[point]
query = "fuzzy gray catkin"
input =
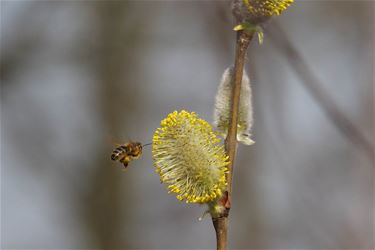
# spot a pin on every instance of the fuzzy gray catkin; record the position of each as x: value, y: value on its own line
x: 222, y: 107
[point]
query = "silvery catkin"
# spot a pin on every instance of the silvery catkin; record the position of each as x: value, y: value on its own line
x: 222, y: 107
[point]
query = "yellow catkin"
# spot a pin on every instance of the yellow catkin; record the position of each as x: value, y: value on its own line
x: 189, y: 158
x: 267, y: 8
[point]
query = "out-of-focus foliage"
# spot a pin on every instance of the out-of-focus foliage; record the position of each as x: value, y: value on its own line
x: 79, y: 76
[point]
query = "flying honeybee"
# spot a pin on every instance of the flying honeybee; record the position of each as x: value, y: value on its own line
x: 127, y: 152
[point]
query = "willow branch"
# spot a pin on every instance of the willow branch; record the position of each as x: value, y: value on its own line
x: 243, y: 41
x: 221, y: 223
x: 221, y: 229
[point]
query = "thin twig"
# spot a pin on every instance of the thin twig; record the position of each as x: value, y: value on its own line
x: 243, y: 40
x: 315, y: 88
x: 221, y: 223
x: 221, y: 229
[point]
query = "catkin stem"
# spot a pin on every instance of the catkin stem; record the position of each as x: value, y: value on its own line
x: 221, y: 223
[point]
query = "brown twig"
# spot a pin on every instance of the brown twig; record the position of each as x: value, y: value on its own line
x: 243, y: 40
x: 221, y: 229
x: 221, y: 222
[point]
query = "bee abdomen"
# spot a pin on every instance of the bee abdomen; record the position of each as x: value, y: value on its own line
x: 116, y: 154
x: 114, y: 157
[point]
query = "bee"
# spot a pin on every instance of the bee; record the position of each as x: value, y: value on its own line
x: 127, y: 152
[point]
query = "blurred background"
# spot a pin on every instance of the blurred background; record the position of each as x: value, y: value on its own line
x: 79, y: 76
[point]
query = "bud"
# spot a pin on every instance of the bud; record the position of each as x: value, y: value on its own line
x: 189, y: 158
x: 222, y: 107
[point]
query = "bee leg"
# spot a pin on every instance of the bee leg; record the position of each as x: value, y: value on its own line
x: 125, y: 161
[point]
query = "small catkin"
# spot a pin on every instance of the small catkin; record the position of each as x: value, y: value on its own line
x: 222, y: 107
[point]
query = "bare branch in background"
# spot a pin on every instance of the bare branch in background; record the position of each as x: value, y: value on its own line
x: 316, y: 89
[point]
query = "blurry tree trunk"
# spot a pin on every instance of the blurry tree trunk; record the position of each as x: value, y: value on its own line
x: 105, y: 208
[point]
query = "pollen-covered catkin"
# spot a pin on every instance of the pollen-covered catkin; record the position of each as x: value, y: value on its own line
x: 189, y: 158
x: 258, y: 11
x: 222, y: 107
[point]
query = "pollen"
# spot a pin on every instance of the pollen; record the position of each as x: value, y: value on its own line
x: 267, y: 8
x: 189, y: 158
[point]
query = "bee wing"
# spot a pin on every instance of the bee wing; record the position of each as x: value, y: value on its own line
x: 110, y: 139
